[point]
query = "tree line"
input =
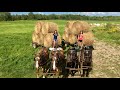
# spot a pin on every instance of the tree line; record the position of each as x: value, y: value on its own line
x: 6, y: 16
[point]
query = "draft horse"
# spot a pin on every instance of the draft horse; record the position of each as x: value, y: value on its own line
x: 40, y: 60
x: 57, y: 61
x: 87, y: 63
x: 72, y: 60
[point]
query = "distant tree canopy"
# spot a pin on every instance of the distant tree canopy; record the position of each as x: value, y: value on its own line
x: 6, y: 16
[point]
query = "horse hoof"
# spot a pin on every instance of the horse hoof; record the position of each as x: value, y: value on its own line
x: 43, y: 76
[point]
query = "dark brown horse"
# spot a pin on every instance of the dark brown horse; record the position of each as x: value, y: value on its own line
x: 87, y: 61
x: 72, y: 60
x: 41, y: 59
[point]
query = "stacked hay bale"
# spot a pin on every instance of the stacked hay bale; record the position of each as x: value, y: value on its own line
x: 48, y: 39
x: 43, y: 33
x: 88, y: 39
x: 37, y: 36
x: 73, y: 28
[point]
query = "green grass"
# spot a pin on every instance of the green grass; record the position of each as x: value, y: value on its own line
x: 111, y: 38
x: 16, y: 53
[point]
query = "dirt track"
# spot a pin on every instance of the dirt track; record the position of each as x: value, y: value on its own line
x: 106, y: 61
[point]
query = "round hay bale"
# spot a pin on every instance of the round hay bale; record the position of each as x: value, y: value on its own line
x: 48, y: 39
x: 36, y: 38
x: 66, y: 30
x: 72, y: 38
x: 38, y: 27
x: 52, y: 27
x: 80, y: 26
x: 65, y: 36
x: 88, y: 38
x: 45, y: 27
x: 85, y: 26
x: 59, y: 39
x: 74, y: 31
x: 41, y: 36
x: 77, y: 25
x: 69, y: 24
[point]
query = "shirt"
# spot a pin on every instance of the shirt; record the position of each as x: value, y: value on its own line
x: 55, y: 36
x: 80, y: 37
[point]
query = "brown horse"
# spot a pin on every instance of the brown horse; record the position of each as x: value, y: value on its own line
x: 41, y: 59
x: 58, y: 60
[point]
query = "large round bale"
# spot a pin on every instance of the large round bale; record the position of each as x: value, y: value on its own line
x: 88, y: 38
x: 52, y: 27
x: 41, y: 36
x: 65, y: 36
x: 45, y: 27
x: 80, y: 26
x: 85, y: 26
x: 66, y: 30
x: 38, y: 27
x: 48, y: 39
x: 72, y: 39
x: 59, y: 39
x: 69, y: 24
x: 36, y: 38
x: 74, y: 31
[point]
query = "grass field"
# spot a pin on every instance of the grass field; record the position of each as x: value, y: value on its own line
x: 16, y: 52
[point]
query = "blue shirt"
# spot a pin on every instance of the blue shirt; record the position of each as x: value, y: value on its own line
x: 55, y: 36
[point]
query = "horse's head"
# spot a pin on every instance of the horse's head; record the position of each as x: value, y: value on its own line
x: 37, y: 57
x: 73, y: 54
x: 87, y: 53
x: 54, y: 59
x: 45, y: 52
x: 41, y: 57
x: 63, y: 42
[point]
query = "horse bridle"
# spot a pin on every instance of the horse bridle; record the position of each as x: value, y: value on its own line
x: 72, y: 54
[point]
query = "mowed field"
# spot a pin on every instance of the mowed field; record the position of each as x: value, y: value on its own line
x: 16, y: 52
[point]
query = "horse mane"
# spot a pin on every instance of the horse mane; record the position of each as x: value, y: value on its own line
x: 61, y: 54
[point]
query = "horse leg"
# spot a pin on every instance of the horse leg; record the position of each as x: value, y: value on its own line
x: 87, y: 72
x: 83, y: 74
x: 43, y: 70
x: 37, y: 71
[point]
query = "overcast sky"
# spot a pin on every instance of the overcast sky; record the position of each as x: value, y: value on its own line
x: 78, y: 13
